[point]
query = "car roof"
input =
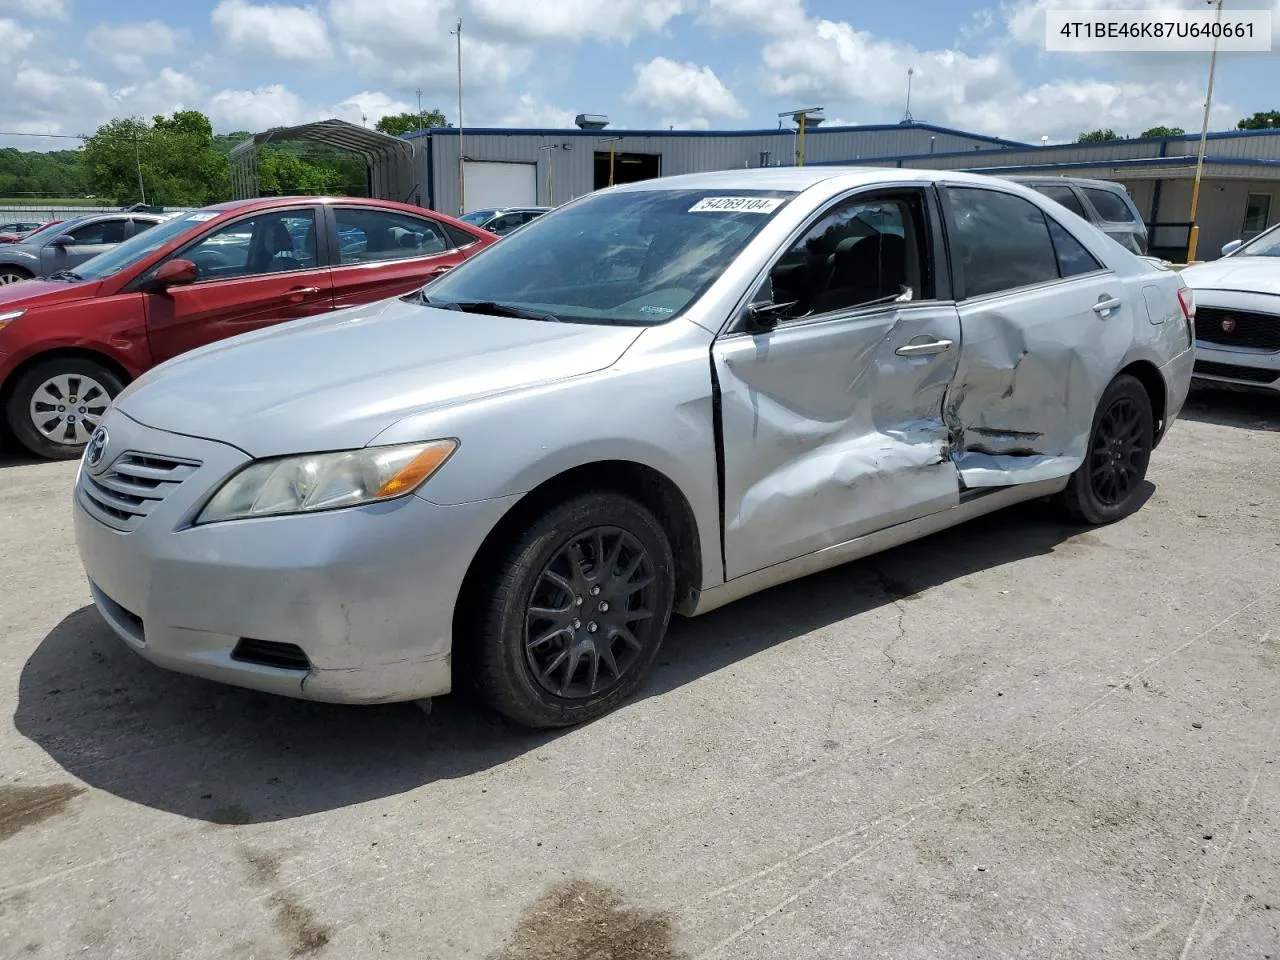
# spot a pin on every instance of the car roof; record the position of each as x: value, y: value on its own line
x: 1083, y: 181
x: 803, y: 178
x: 268, y: 203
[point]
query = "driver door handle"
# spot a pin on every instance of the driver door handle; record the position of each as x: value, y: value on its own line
x: 1107, y: 305
x: 925, y: 349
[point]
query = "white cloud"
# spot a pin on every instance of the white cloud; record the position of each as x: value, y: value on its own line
x: 14, y: 40
x: 256, y: 110
x: 168, y: 91
x: 686, y: 94
x: 370, y: 105
x: 531, y: 111
x: 127, y: 46
x: 530, y: 20
x: 406, y: 44
x: 752, y: 16
x: 290, y: 33
x: 49, y: 9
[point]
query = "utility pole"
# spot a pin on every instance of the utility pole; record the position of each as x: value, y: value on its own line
x: 462, y: 166
x: 137, y: 156
x: 421, y: 123
x: 1193, y: 241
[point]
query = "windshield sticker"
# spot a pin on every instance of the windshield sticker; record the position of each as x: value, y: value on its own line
x: 201, y: 217
x: 736, y: 205
x: 650, y: 308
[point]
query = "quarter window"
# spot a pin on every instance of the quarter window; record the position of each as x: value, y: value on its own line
x: 275, y: 242
x: 864, y: 251
x: 1073, y: 258
x: 1002, y: 241
x: 371, y: 236
x: 1109, y: 205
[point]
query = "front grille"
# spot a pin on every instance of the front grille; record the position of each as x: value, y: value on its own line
x: 268, y: 653
x: 1259, y: 331
x: 133, y: 486
x: 1253, y: 374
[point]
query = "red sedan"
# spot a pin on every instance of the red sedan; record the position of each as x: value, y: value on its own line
x: 70, y: 343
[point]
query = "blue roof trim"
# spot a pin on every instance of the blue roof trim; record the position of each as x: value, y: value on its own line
x: 769, y: 132
x: 1138, y: 162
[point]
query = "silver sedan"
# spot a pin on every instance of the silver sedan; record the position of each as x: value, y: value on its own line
x: 656, y: 399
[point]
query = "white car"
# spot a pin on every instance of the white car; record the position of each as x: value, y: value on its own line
x: 1238, y: 314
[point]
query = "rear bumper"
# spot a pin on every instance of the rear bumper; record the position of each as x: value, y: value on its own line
x: 365, y: 595
x: 1177, y: 384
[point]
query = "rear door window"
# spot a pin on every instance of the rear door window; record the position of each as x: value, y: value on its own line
x: 1002, y: 242
x: 1109, y: 206
x: 372, y: 236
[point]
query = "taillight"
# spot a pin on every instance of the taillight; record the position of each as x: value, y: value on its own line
x: 1187, y: 301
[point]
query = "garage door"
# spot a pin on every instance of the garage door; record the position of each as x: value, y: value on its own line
x: 490, y: 184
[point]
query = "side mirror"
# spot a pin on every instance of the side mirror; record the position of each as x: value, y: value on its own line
x: 1232, y: 247
x: 65, y: 240
x: 175, y: 273
x: 763, y: 316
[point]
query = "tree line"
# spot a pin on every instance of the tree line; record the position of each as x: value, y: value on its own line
x: 1262, y: 120
x: 179, y: 161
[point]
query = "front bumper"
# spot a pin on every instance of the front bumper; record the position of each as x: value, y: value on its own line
x: 366, y: 594
x: 1241, y: 368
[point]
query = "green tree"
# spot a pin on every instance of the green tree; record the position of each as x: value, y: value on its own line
x: 398, y: 124
x: 1262, y: 120
x: 1164, y: 132
x: 1098, y: 136
x: 284, y: 174
x: 175, y: 156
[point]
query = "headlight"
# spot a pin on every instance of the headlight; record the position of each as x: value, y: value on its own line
x: 326, y: 481
x: 8, y: 318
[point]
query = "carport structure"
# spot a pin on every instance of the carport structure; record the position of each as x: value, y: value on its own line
x: 389, y: 161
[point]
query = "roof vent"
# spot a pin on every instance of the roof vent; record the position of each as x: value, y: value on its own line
x: 591, y: 121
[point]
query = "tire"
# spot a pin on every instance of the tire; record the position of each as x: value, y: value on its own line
x: 57, y: 436
x: 531, y: 617
x: 1109, y: 480
x: 13, y: 275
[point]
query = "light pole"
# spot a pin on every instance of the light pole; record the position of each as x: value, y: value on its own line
x: 462, y: 166
x: 1193, y: 241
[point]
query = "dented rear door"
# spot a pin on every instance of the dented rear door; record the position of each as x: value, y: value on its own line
x: 1043, y: 325
x: 831, y: 432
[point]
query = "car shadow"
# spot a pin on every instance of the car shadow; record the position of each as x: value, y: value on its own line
x: 14, y: 456
x: 1233, y: 408
x: 225, y: 755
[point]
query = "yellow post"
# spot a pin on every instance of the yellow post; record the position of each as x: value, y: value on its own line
x: 1193, y: 240
x: 800, y: 145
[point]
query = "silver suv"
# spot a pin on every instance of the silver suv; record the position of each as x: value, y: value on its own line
x: 1105, y: 204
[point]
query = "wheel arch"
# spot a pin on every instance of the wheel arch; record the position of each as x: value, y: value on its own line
x: 656, y: 491
x: 55, y: 353
x: 1148, y: 374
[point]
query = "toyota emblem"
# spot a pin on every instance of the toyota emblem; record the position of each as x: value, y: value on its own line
x: 97, y: 448
x: 1228, y: 324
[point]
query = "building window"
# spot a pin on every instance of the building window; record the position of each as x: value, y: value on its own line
x: 1257, y: 211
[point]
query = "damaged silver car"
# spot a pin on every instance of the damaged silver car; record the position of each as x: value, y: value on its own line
x: 655, y: 399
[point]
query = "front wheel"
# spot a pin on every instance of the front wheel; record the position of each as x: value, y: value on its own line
x: 13, y: 275
x: 577, y: 612
x: 1107, y: 484
x: 56, y: 405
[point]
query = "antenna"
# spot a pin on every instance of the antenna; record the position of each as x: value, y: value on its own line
x: 906, y: 117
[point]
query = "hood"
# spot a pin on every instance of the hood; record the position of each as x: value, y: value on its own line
x: 20, y: 254
x: 1249, y: 274
x: 338, y: 380
x: 26, y: 294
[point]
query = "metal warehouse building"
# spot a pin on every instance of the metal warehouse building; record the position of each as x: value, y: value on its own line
x: 527, y: 167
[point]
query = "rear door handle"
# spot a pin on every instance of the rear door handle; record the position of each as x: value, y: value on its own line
x: 438, y: 271
x: 1105, y: 306
x: 298, y: 294
x: 925, y: 349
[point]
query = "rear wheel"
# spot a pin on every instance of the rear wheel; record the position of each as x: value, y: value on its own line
x: 13, y: 275
x: 577, y: 612
x: 1108, y: 483
x: 56, y: 405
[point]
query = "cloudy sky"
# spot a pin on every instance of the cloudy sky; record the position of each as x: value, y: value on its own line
x: 68, y: 65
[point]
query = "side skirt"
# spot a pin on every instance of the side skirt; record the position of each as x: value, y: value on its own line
x: 973, y: 504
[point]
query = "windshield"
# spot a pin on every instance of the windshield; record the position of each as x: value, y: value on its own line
x: 51, y: 230
x: 1263, y: 245
x: 140, y: 245
x: 631, y: 257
